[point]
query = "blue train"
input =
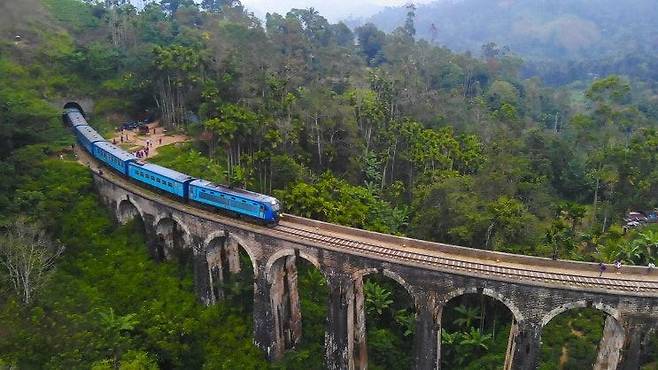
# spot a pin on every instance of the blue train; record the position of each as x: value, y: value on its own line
x: 263, y: 208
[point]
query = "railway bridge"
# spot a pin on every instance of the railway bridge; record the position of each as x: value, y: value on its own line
x: 534, y: 289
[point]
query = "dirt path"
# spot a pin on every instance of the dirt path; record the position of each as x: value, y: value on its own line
x: 133, y: 141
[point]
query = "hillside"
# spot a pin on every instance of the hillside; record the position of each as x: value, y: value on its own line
x: 389, y: 134
x: 599, y: 36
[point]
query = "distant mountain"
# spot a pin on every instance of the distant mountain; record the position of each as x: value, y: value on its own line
x: 536, y: 29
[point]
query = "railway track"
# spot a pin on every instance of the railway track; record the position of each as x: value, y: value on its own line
x: 473, y: 268
x: 610, y: 282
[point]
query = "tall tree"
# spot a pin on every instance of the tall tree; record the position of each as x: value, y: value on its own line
x: 28, y: 256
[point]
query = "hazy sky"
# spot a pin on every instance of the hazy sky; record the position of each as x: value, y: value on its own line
x: 331, y: 9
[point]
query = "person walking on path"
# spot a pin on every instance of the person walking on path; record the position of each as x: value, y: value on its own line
x: 601, y: 269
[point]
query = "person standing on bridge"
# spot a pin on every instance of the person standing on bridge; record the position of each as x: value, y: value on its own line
x: 601, y: 269
x: 618, y: 266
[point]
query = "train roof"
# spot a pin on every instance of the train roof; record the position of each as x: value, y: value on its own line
x: 163, y: 171
x: 74, y: 105
x: 76, y: 118
x: 115, y: 151
x: 233, y: 191
x: 89, y: 133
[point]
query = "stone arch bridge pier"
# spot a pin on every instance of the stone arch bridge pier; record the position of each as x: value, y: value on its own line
x: 534, y: 289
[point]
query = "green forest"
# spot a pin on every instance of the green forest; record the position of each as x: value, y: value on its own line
x: 380, y: 131
x: 562, y: 41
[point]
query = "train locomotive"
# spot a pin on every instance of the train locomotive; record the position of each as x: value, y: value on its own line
x: 258, y: 207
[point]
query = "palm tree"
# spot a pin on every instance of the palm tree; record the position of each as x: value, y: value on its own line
x: 476, y: 340
x: 377, y: 298
x: 629, y: 252
x: 114, y: 327
x: 406, y: 320
x: 467, y: 316
x: 649, y: 239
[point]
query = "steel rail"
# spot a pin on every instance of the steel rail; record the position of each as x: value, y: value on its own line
x: 527, y: 276
x: 629, y: 285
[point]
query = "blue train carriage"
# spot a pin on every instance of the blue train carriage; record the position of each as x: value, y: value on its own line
x: 113, y: 156
x: 73, y: 118
x: 87, y: 136
x: 74, y: 115
x: 170, y: 181
x: 259, y: 206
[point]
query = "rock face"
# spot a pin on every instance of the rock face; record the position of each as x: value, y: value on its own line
x: 213, y: 243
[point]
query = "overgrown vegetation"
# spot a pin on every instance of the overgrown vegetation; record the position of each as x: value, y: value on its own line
x: 390, y: 134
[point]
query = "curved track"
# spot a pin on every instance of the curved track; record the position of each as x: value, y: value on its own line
x: 475, y: 268
x: 496, y: 266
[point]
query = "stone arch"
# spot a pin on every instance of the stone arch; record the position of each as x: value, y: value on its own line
x: 277, y: 256
x: 75, y: 105
x: 516, y: 313
x: 127, y: 210
x: 391, y: 275
x: 609, y: 310
x: 613, y: 333
x: 359, y: 338
x: 246, y: 247
x: 187, y: 236
x: 221, y: 260
x: 281, y: 274
x: 166, y: 237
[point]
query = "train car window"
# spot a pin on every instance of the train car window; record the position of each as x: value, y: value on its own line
x: 158, y: 180
x: 170, y: 185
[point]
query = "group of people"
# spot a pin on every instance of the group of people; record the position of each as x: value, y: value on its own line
x: 617, y: 264
x: 142, y: 153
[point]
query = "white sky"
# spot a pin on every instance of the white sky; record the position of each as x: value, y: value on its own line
x: 333, y: 10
